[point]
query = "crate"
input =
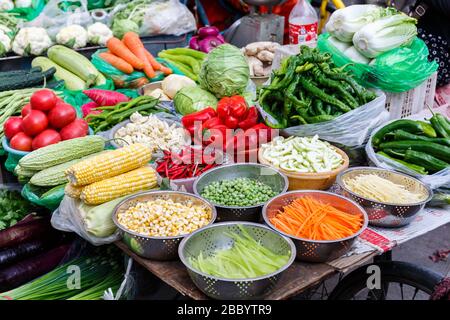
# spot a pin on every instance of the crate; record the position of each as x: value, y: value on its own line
x: 153, y: 44
x: 405, y: 104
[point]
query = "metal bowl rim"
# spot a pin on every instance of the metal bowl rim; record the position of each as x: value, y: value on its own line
x: 161, y: 192
x: 340, y: 182
x: 355, y: 235
x: 283, y: 176
x: 258, y: 225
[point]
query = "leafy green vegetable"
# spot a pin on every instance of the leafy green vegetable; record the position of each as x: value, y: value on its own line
x: 225, y: 71
x: 192, y: 99
x: 122, y: 26
x: 12, y: 208
x: 246, y: 259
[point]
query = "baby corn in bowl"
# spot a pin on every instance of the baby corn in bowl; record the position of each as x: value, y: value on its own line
x: 153, y: 223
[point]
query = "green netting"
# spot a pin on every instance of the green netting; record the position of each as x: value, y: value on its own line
x: 122, y: 80
x: 48, y: 198
x: 397, y: 70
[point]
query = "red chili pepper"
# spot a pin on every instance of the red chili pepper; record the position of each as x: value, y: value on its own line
x: 231, y: 122
x: 202, y: 116
x: 251, y: 119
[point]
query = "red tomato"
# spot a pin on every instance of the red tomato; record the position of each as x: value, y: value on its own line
x: 76, y: 129
x: 45, y: 138
x: 26, y: 110
x: 12, y: 126
x: 34, y: 123
x: 43, y: 100
x: 61, y: 115
x: 21, y: 142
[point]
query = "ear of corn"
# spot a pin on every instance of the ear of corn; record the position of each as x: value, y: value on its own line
x: 71, y: 191
x: 109, y: 164
x: 106, y: 190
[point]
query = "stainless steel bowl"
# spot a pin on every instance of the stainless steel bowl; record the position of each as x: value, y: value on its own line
x: 209, y: 239
x: 317, y: 250
x: 386, y: 214
x: 156, y: 248
x: 266, y: 174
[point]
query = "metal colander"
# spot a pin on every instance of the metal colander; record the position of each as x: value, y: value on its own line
x: 156, y: 248
x: 316, y: 250
x: 211, y: 238
x: 387, y: 214
x: 263, y: 173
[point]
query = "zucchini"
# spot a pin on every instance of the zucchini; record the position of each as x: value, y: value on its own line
x: 101, y: 80
x: 14, y: 73
x: 28, y: 80
x: 71, y: 81
x: 74, y: 62
x: 61, y: 152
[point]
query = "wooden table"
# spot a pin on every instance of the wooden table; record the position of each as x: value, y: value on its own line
x: 296, y: 279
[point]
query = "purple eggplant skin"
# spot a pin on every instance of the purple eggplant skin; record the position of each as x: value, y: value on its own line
x: 29, y: 269
x: 24, y: 232
x: 22, y: 251
x: 193, y: 43
x: 208, y: 31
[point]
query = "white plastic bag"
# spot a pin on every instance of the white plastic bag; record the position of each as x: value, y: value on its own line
x: 167, y: 17
x: 350, y: 129
x: 69, y: 217
x: 434, y: 181
x: 53, y: 18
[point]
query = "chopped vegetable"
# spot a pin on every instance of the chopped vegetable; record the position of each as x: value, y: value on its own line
x: 165, y: 218
x: 302, y: 154
x: 247, y: 258
x: 312, y: 219
x: 240, y: 192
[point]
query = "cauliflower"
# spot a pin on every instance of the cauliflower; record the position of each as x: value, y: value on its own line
x: 99, y: 33
x: 5, y: 43
x: 73, y: 36
x: 31, y: 40
x: 6, y: 5
x: 23, y: 3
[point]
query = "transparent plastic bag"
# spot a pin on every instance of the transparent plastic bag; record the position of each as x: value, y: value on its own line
x: 350, y: 129
x: 69, y: 217
x: 60, y: 13
x: 397, y: 70
x: 439, y: 179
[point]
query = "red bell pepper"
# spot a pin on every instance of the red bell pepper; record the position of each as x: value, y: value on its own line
x: 231, y: 122
x: 238, y: 107
x: 201, y: 116
x: 216, y: 136
x: 210, y: 123
x: 251, y: 119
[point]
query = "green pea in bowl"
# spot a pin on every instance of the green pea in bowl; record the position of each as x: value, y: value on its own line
x: 250, y: 206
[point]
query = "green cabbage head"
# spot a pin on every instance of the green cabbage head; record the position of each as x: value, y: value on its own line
x: 192, y: 99
x: 225, y: 71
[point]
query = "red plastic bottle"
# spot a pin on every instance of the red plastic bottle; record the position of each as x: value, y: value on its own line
x: 303, y: 23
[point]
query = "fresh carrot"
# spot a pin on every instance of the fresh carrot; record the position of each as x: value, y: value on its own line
x: 119, y: 49
x: 117, y: 62
x: 134, y: 43
x: 156, y: 65
x: 312, y: 219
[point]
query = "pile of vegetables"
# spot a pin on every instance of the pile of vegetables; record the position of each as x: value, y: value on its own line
x: 423, y: 147
x: 207, y: 39
x: 312, y: 219
x: 28, y: 250
x: 239, y: 192
x: 301, y: 154
x: 153, y: 132
x: 188, y: 163
x: 187, y: 60
x: 13, y: 208
x: 75, y: 69
x: 112, y: 115
x: 247, y: 258
x: 129, y: 54
x: 260, y: 56
x: 45, y: 120
x: 363, y: 32
x: 308, y: 88
x: 100, y: 270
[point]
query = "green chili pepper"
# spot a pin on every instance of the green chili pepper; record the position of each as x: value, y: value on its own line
x: 416, y: 168
x: 439, y: 123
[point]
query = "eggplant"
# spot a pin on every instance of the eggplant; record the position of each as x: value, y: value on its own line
x: 25, y: 231
x: 31, y: 268
x: 22, y: 251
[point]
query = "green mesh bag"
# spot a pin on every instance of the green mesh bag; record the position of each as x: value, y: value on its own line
x: 397, y: 70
